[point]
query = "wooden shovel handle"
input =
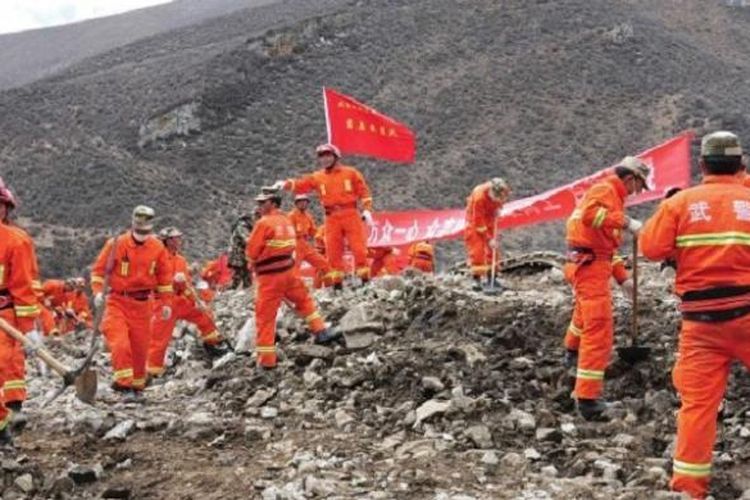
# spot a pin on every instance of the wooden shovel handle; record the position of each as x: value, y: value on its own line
x: 634, y: 319
x: 40, y: 351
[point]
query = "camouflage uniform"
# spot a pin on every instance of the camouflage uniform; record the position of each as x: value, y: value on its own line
x: 237, y: 260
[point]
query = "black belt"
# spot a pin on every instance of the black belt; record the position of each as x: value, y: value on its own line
x: 716, y: 316
x: 139, y: 295
x: 287, y: 262
x: 723, y: 292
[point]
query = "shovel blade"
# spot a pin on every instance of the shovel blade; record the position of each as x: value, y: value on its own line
x: 86, y: 384
x: 634, y: 354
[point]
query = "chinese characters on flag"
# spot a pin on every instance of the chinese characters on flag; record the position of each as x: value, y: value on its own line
x: 358, y: 129
x: 670, y: 167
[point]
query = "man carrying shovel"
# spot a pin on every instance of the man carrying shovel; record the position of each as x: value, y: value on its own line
x: 706, y: 230
x: 18, y: 302
x: 594, y: 232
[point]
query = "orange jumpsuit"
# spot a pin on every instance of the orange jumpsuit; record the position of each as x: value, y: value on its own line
x: 422, y: 256
x: 18, y: 306
x: 185, y: 307
x: 481, y: 216
x: 575, y: 329
x: 304, y: 226
x: 383, y: 261
x: 320, y: 247
x: 706, y: 229
x: 339, y: 189
x: 138, y: 269
x: 59, y: 300
x: 594, y: 231
x: 270, y: 250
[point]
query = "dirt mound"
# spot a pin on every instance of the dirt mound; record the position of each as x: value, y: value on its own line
x: 441, y: 392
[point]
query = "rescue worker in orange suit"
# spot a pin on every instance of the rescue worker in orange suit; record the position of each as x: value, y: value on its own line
x: 575, y: 328
x: 340, y: 188
x: 270, y: 252
x: 482, y: 209
x: 383, y: 261
x: 136, y: 265
x: 706, y: 229
x: 422, y: 256
x: 305, y: 228
x: 185, y: 306
x: 594, y: 232
x: 68, y: 302
x: 18, y: 302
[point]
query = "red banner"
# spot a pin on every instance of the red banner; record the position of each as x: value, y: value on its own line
x: 670, y: 167
x: 358, y: 129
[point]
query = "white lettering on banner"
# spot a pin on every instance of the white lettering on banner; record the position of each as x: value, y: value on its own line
x: 386, y: 234
x: 699, y: 211
x: 742, y: 210
x: 413, y: 232
x: 432, y: 229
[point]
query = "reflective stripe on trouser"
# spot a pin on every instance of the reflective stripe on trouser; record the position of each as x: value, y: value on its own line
x: 479, y: 253
x: 700, y: 376
x: 344, y: 227
x: 271, y: 290
x: 593, y: 294
x: 183, y: 308
x: 575, y: 328
x: 7, y: 348
x: 14, y: 388
x: 127, y: 327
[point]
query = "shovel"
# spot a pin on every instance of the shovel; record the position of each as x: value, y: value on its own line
x: 83, y: 379
x: 634, y: 353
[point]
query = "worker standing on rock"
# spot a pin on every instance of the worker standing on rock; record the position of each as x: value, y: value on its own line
x: 482, y: 209
x: 135, y: 264
x: 422, y: 256
x: 18, y: 302
x: 270, y: 251
x: 185, y: 305
x: 594, y: 232
x: 305, y: 228
x: 340, y: 188
x: 706, y: 229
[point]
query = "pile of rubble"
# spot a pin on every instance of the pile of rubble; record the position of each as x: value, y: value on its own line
x: 440, y: 392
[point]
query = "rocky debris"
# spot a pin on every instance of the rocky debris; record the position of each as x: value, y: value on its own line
x: 475, y: 405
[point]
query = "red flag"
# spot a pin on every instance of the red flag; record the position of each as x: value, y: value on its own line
x: 670, y: 167
x: 360, y: 130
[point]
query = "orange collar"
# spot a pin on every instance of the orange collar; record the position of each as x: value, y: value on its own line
x: 619, y: 186
x: 722, y: 179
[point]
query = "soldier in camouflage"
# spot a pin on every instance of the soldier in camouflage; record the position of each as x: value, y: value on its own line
x: 237, y: 261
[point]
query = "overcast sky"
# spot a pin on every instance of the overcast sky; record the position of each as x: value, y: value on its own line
x: 20, y: 15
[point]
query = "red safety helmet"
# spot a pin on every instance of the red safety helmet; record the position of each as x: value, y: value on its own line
x: 6, y: 196
x: 328, y: 148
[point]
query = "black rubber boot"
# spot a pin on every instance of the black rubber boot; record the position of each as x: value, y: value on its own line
x: 593, y: 409
x: 217, y: 350
x: 327, y: 336
x: 6, y: 438
x: 19, y: 420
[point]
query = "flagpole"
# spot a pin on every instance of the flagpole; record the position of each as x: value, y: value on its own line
x: 328, y: 121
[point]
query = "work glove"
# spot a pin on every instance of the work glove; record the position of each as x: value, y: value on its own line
x: 367, y: 216
x: 70, y: 313
x: 166, y: 313
x: 278, y: 185
x: 627, y: 288
x: 37, y: 340
x: 180, y: 278
x: 98, y: 300
x: 492, y: 243
x: 633, y: 225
